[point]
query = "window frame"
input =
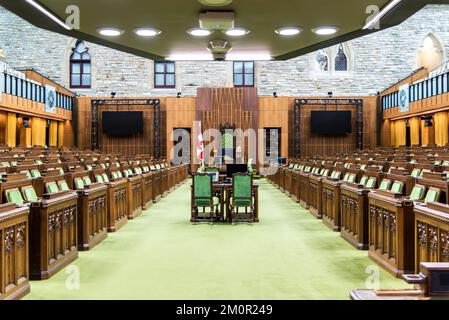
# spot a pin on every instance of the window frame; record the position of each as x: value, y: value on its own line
x: 82, y: 62
x: 165, y: 73
x: 244, y: 74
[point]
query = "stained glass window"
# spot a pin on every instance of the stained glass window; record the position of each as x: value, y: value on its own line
x: 322, y: 60
x: 341, y: 60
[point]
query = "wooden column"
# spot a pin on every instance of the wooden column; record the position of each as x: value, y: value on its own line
x: 60, y: 134
x: 415, y: 131
x: 401, y: 129
x: 441, y: 129
x: 53, y: 132
x: 11, y: 129
x: 38, y: 127
x: 428, y: 135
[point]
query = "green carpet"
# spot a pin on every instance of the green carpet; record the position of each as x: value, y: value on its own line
x: 160, y: 255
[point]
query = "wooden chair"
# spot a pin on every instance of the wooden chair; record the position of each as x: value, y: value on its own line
x: 203, y: 198
x: 330, y: 198
x: 134, y: 191
x: 242, y: 198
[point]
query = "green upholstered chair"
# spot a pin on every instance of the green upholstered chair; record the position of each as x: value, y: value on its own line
x: 325, y: 173
x: 87, y: 181
x: 203, y: 198
x: 437, y: 162
x: 417, y: 193
x: 63, y: 186
x: 397, y: 187
x: 29, y: 194
x: 385, y: 185
x: 363, y: 180
x: 79, y: 184
x: 35, y: 173
x: 14, y: 196
x: 291, y: 165
x: 445, y: 163
x: 363, y: 167
x: 433, y: 195
x: 242, y: 197
x: 371, y: 183
x: 352, y: 178
x: 211, y: 169
x: 346, y: 177
x: 89, y: 167
x: 99, y: 178
x: 416, y: 173
x: 105, y: 177
x: 52, y: 187
x: 114, y: 175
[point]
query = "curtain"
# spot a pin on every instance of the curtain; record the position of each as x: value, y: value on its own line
x: 415, y: 131
x: 441, y: 129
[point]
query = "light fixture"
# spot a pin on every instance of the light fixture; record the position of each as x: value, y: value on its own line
x: 253, y: 56
x: 200, y: 56
x: 288, y: 31
x: 237, y: 32
x: 325, y: 30
x: 178, y: 95
x: 374, y: 20
x: 215, y: 3
x: 110, y: 32
x: 198, y: 32
x: 49, y: 14
x: 427, y: 120
x: 113, y: 94
x: 275, y: 94
x: 147, y: 32
x: 330, y: 94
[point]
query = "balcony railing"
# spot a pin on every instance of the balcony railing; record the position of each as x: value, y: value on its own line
x: 29, y: 90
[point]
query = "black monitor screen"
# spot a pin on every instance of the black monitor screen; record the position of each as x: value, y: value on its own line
x: 331, y: 122
x: 122, y: 123
x: 236, y: 168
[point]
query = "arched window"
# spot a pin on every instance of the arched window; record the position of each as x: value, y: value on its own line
x: 431, y: 53
x: 80, y: 67
x: 322, y: 60
x: 341, y: 60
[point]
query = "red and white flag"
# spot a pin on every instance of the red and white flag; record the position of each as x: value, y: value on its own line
x: 200, y: 145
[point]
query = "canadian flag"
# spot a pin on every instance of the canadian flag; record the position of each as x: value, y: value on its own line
x: 200, y: 145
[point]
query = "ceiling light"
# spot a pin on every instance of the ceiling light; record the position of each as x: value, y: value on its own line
x: 110, y: 32
x: 250, y: 56
x: 198, y: 32
x: 215, y: 3
x: 288, y: 31
x: 49, y: 14
x: 190, y: 57
x: 374, y: 20
x: 237, y: 32
x: 147, y: 32
x: 325, y: 31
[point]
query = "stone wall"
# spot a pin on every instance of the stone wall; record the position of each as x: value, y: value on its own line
x: 377, y: 60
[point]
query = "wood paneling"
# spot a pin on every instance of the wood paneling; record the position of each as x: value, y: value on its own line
x: 275, y: 113
x: 137, y: 144
x: 3, y: 116
x: 11, y: 129
x: 31, y: 108
x: 181, y: 113
x: 38, y: 131
x: 312, y: 144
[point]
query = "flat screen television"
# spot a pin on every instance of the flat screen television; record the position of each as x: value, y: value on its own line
x: 122, y: 123
x: 231, y: 169
x: 331, y: 122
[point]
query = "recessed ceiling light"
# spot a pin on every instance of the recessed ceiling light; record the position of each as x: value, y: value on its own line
x: 237, y: 32
x: 288, y: 31
x: 198, y: 32
x: 325, y: 31
x: 110, y: 32
x: 147, y: 32
x: 215, y: 3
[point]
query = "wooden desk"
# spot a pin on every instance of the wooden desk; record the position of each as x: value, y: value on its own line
x: 224, y: 193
